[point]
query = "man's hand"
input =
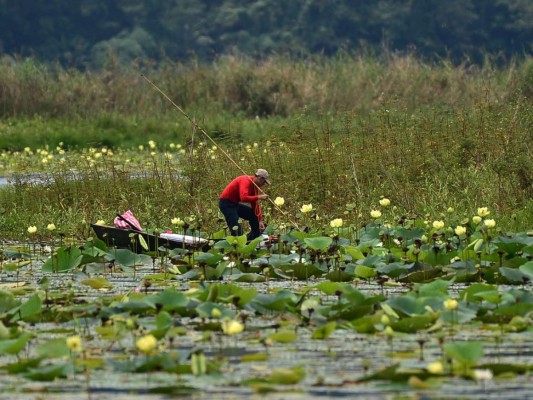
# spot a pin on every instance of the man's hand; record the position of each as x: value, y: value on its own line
x: 263, y: 196
x: 261, y: 225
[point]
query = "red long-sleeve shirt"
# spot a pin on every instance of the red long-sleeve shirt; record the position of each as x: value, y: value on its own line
x: 242, y: 189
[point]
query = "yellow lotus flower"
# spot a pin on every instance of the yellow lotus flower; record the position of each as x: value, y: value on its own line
x: 384, y: 202
x: 476, y: 219
x: 100, y: 222
x: 435, y: 367
x: 375, y: 213
x: 74, y: 343
x: 177, y: 221
x: 146, y: 344
x: 385, y: 320
x: 438, y: 224
x: 51, y: 227
x: 32, y: 229
x: 306, y: 208
x: 490, y: 223
x: 279, y: 201
x: 232, y: 327
x: 450, y: 304
x: 460, y: 230
x: 336, y: 223
x: 216, y: 313
x: 483, y: 211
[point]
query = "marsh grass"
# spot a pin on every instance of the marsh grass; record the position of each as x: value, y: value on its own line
x: 116, y: 107
x: 422, y: 163
x: 332, y: 132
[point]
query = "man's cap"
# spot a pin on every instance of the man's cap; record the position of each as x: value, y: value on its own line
x: 263, y: 173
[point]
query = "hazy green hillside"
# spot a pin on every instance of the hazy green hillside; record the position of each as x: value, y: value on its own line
x: 85, y: 33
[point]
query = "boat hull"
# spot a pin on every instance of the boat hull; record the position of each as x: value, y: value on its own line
x: 129, y: 239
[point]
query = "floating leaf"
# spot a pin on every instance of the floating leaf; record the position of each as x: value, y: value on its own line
x: 28, y: 309
x: 169, y: 300
x: 354, y: 252
x: 283, y: 336
x: 14, y: 346
x: 287, y: 376
x: 407, y: 305
x: 434, y: 288
x: 527, y: 269
x: 324, y: 331
x: 469, y: 294
x: 412, y: 324
x: 7, y: 301
x: 255, y: 357
x: 49, y: 372
x: 125, y: 258
x: 319, y: 243
x: 466, y: 353
x: 514, y: 275
x: 97, y: 282
x: 248, y: 278
x: 65, y: 259
x: 237, y: 241
x: 386, y: 373
x: 15, y: 266
x: 53, y: 348
x: 365, y: 272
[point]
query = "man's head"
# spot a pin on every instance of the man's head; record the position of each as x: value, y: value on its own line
x: 261, y: 177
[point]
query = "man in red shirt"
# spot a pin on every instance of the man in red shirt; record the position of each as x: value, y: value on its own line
x: 244, y: 189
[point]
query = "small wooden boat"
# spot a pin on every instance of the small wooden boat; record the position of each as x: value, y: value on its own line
x: 129, y: 239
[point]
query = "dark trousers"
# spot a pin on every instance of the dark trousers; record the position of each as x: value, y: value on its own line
x: 232, y: 212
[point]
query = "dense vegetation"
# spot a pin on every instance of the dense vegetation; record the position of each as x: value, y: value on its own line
x: 332, y: 132
x: 84, y: 33
x: 401, y: 200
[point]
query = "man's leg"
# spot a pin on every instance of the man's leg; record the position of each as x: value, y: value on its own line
x: 230, y: 211
x: 246, y: 212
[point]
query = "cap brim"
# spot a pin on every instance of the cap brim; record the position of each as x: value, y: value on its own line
x: 267, y: 181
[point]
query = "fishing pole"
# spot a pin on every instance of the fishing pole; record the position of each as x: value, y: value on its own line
x: 193, y: 122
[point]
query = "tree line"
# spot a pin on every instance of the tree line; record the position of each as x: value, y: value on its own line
x: 93, y: 33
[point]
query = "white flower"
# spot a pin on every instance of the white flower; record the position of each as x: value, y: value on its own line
x: 483, y: 374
